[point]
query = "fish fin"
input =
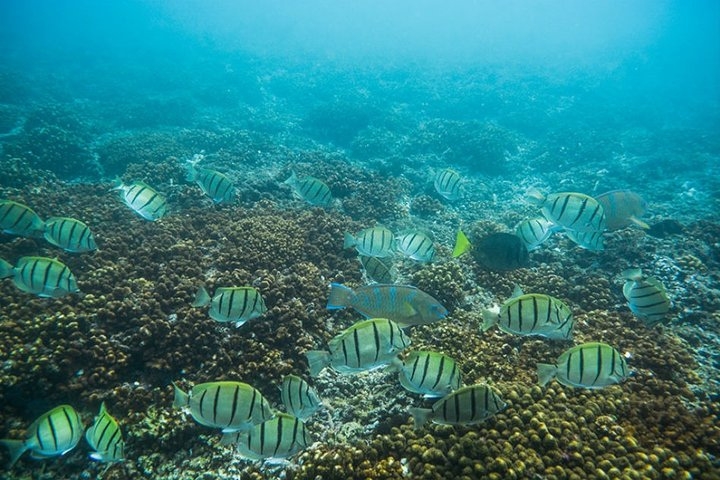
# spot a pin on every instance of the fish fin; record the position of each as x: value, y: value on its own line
x: 462, y: 244
x: 317, y: 360
x: 348, y: 241
x: 634, y: 274
x: 639, y: 222
x: 231, y: 438
x: 339, y: 296
x: 490, y: 318
x: 292, y: 180
x: 192, y: 173
x: 535, y: 196
x: 202, y: 298
x: 181, y: 399
x: 420, y: 416
x: 517, y: 291
x: 545, y: 373
x: 16, y: 448
x: 6, y: 269
x: 395, y: 364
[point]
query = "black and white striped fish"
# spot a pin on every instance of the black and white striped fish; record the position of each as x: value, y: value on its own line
x: 646, y: 296
x: 373, y: 242
x: 571, y: 210
x: 230, y: 406
x: 465, y: 406
x: 447, y: 184
x: 214, y: 184
x: 416, y: 245
x: 378, y: 270
x: 105, y: 438
x: 310, y: 189
x: 70, y: 234
x: 593, y: 241
x: 44, y: 277
x: 143, y: 200
x: 53, y: 434
x: 232, y: 304
x: 280, y: 437
x: 590, y: 365
x: 534, y: 232
x: 366, y: 345
x: 428, y: 373
x: 19, y: 219
x: 299, y: 397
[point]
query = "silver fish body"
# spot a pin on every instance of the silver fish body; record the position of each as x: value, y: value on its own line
x: 143, y: 200
x: 105, y: 438
x: 364, y: 346
x: 428, y: 373
x: 403, y: 304
x: 593, y: 240
x: 646, y: 297
x: 19, y: 219
x: 572, y: 210
x: 378, y: 270
x: 70, y: 234
x: 214, y: 184
x: 532, y: 314
x: 417, y: 246
x: 310, y: 189
x: 53, y: 434
x: 534, y: 232
x: 465, y: 406
x: 232, y: 304
x: 447, y: 184
x: 373, y: 242
x: 280, y: 437
x: 590, y: 365
x: 44, y: 277
x: 299, y: 397
x: 230, y: 406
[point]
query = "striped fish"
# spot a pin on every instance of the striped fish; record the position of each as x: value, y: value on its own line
x: 19, y: 219
x: 377, y: 269
x: 532, y: 314
x: 571, y: 210
x: 431, y: 374
x: 373, y: 242
x: 590, y: 365
x: 622, y: 208
x: 447, y: 184
x: 593, y: 241
x: 69, y: 234
x: 310, y: 189
x: 230, y: 406
x: 298, y: 397
x: 465, y: 406
x: 143, y: 200
x: 53, y: 434
x: 44, y: 277
x: 104, y: 436
x: 403, y: 304
x: 366, y: 345
x: 232, y: 304
x: 646, y: 297
x: 279, y: 437
x: 214, y: 184
x: 417, y: 246
x: 533, y: 232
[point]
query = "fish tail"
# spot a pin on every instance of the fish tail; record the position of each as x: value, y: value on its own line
x: 292, y: 180
x: 545, y: 373
x: 462, y: 244
x: 535, y: 196
x: 420, y: 416
x: 490, y: 318
x: 339, y: 296
x: 6, y: 270
x: 181, y: 399
x: 348, y: 240
x: 317, y: 360
x: 116, y: 184
x: 202, y: 298
x: 16, y: 448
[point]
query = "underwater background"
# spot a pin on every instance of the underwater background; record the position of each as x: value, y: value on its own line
x: 375, y: 100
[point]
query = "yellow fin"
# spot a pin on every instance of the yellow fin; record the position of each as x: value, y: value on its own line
x: 462, y: 244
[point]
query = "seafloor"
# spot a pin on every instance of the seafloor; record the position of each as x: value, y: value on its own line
x: 132, y: 331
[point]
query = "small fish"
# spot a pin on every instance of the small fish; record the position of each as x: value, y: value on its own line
x: 366, y: 345
x: 19, y: 219
x: 447, y: 184
x: 646, y: 297
x: 622, y: 208
x: 143, y: 200
x: 378, y: 270
x: 214, y: 184
x: 299, y: 397
x: 53, y: 434
x: 44, y: 277
x: 417, y: 246
x: 593, y: 241
x: 532, y: 314
x: 310, y: 189
x: 280, y: 437
x: 105, y: 437
x: 431, y: 374
x: 403, y: 304
x: 465, y: 406
x: 230, y: 406
x: 373, y: 242
x: 590, y: 365
x: 534, y: 232
x: 497, y: 251
x: 232, y: 304
x: 571, y: 210
x: 69, y: 234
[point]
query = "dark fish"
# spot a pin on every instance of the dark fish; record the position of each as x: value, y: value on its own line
x: 497, y: 251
